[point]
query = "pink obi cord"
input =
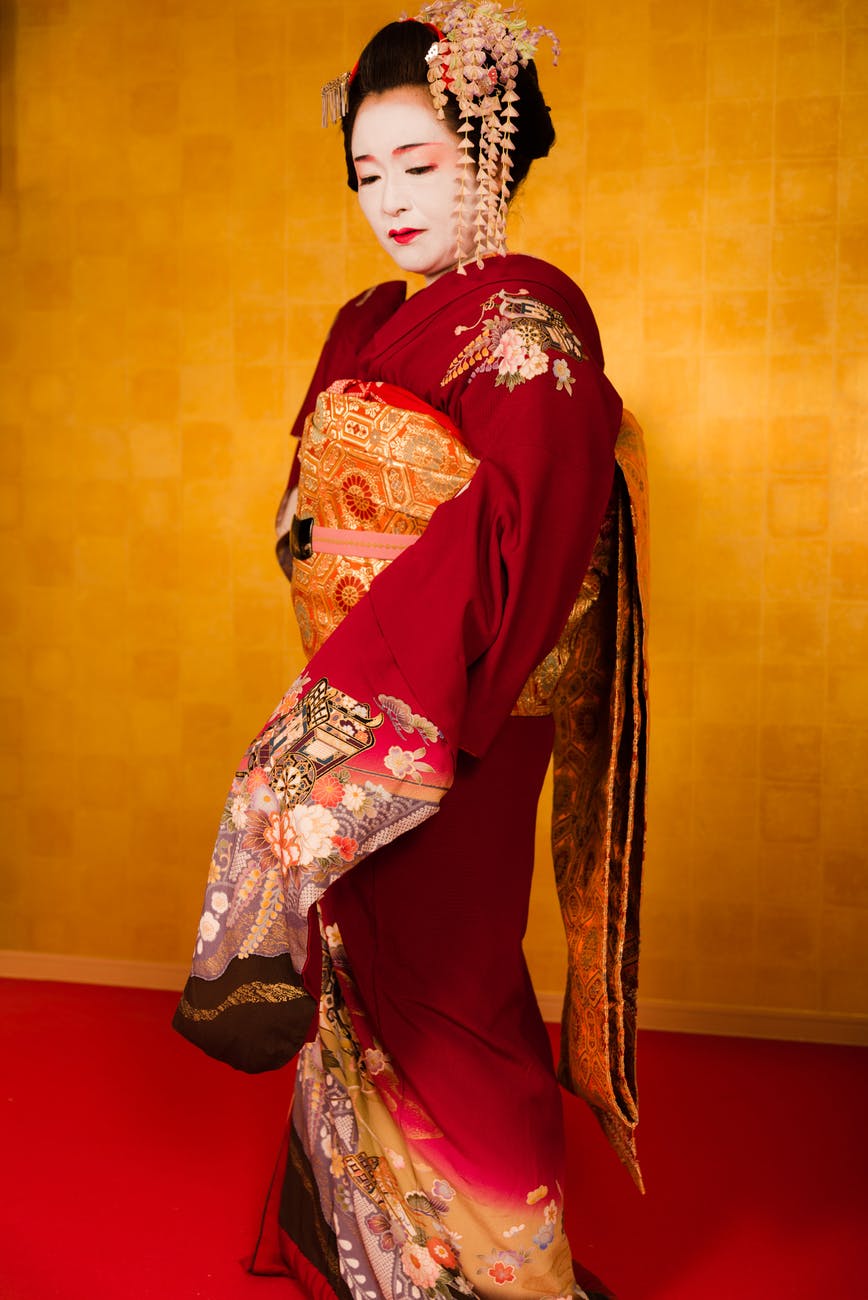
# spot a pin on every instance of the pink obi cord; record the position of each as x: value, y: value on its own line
x: 359, y: 543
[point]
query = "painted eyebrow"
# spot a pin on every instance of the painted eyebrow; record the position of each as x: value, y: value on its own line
x: 402, y: 148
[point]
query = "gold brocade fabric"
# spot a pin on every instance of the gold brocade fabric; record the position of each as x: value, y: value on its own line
x: 372, y: 466
x: 598, y: 816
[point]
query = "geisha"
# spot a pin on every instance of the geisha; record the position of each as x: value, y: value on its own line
x: 464, y: 530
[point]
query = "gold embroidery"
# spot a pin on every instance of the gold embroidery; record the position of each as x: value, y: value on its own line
x: 514, y: 341
x: 255, y: 991
x: 326, y: 729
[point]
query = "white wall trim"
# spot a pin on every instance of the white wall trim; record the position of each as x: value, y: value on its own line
x: 70, y: 969
x: 654, y: 1013
x: 736, y: 1021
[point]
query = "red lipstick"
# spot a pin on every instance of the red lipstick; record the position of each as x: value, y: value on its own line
x: 405, y: 235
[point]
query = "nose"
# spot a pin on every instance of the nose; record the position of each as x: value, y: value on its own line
x: 395, y: 198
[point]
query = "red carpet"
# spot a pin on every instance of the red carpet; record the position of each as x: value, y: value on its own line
x: 134, y: 1167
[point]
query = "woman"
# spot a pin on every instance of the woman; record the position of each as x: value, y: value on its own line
x: 425, y: 1151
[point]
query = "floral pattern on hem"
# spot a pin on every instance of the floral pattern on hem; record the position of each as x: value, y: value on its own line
x: 404, y: 1230
x: 514, y: 341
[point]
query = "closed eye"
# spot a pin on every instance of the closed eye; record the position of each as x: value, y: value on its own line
x: 368, y: 180
x: 420, y: 171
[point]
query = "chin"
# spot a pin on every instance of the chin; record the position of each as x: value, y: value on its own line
x: 408, y: 257
x: 417, y: 264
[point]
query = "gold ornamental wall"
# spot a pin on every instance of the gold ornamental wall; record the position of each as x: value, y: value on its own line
x: 175, y: 236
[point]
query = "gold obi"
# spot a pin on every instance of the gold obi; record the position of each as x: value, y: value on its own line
x: 369, y: 467
x: 375, y: 468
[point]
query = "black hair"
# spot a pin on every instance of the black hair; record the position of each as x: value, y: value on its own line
x: 395, y: 57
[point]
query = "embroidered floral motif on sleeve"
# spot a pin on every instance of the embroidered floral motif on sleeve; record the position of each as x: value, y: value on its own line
x: 405, y: 764
x: 515, y: 335
x: 405, y: 720
x: 563, y: 374
x: 301, y: 810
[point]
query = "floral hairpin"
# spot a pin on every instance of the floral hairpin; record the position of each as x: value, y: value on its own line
x: 480, y: 53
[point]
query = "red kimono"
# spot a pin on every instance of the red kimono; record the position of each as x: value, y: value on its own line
x: 425, y: 1149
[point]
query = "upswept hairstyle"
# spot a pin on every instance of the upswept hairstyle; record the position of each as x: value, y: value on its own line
x: 395, y: 57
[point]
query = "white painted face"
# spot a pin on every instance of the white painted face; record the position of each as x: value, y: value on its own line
x: 409, y: 171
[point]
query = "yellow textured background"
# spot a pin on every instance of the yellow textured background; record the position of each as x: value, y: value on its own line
x: 175, y: 236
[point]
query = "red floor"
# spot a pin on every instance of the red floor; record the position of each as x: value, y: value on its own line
x: 134, y: 1167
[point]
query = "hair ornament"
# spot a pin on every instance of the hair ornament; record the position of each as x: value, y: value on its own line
x: 334, y: 98
x: 476, y: 61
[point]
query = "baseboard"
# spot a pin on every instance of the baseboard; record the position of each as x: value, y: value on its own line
x: 738, y: 1022
x: 69, y: 969
x: 654, y: 1013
